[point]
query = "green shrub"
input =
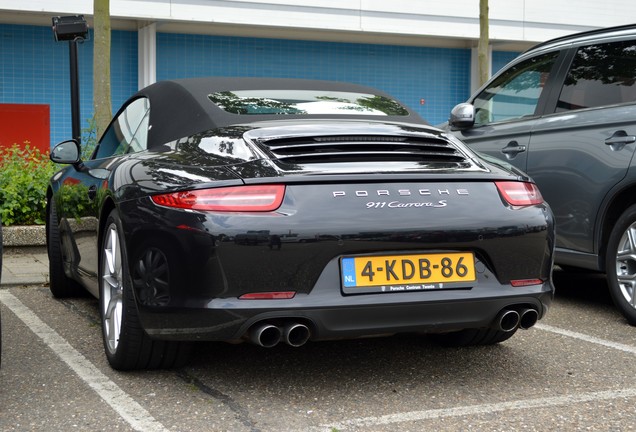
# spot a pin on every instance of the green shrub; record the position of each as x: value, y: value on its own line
x: 24, y: 175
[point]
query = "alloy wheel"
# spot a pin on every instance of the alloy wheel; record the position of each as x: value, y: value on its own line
x: 626, y: 265
x: 112, y: 288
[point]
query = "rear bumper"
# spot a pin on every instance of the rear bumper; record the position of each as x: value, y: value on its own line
x: 211, y: 267
x: 330, y: 315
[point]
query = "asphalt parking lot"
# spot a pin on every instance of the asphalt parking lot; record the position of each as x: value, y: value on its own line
x: 576, y: 370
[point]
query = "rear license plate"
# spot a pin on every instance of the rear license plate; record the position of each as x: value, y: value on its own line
x: 391, y: 273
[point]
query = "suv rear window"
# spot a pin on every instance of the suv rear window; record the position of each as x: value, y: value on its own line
x: 602, y: 74
x: 302, y: 102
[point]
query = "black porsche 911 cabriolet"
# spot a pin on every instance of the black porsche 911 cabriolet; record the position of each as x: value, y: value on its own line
x: 276, y: 210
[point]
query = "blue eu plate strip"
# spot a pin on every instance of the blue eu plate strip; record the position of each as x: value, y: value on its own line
x: 348, y: 272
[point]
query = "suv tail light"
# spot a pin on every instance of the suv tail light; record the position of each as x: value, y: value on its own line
x: 519, y: 194
x: 252, y: 198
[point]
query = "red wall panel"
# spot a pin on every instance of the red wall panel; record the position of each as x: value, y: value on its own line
x: 25, y: 122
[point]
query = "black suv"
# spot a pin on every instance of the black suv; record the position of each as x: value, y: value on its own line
x: 565, y: 112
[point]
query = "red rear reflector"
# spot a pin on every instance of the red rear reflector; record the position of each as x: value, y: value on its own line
x: 252, y: 198
x: 275, y: 295
x: 519, y: 193
x: 525, y: 282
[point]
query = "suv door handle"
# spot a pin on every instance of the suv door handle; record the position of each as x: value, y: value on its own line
x: 620, y: 137
x: 619, y: 140
x: 513, y: 149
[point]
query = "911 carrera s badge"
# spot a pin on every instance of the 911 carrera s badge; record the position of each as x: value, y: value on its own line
x: 399, y: 204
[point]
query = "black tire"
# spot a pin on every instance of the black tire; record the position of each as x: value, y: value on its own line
x: 60, y: 284
x: 471, y: 337
x: 620, y: 264
x: 127, y: 345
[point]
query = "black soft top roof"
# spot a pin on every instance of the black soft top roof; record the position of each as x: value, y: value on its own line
x: 180, y: 108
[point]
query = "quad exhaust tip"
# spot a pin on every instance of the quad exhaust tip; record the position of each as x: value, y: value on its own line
x: 528, y: 318
x: 510, y: 319
x: 296, y: 334
x: 268, y: 335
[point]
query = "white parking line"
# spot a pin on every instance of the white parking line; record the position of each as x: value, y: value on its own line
x: 503, y: 406
x: 133, y: 413
x: 614, y: 345
x: 479, y: 409
x: 141, y: 420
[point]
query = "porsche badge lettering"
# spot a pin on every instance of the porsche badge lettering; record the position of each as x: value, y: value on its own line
x: 401, y: 192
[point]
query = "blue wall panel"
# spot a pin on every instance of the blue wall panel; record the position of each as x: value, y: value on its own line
x: 429, y: 80
x: 502, y: 58
x: 34, y: 69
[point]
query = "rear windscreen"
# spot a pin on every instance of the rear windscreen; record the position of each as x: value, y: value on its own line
x: 305, y: 102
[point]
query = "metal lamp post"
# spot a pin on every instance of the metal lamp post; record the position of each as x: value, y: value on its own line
x: 72, y: 29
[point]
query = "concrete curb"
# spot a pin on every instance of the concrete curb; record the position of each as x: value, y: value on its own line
x: 27, y: 235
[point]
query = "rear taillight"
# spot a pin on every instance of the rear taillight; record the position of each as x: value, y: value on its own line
x: 252, y: 198
x: 519, y: 194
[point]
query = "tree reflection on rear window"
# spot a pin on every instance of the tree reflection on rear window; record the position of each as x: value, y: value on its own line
x: 305, y: 102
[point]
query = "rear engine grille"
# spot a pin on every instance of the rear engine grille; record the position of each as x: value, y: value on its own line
x: 365, y: 148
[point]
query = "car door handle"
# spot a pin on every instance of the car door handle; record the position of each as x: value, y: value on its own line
x: 92, y: 192
x: 512, y: 149
x: 620, y: 137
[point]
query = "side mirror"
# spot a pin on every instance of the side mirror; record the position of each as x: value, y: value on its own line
x: 66, y: 152
x: 462, y: 116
